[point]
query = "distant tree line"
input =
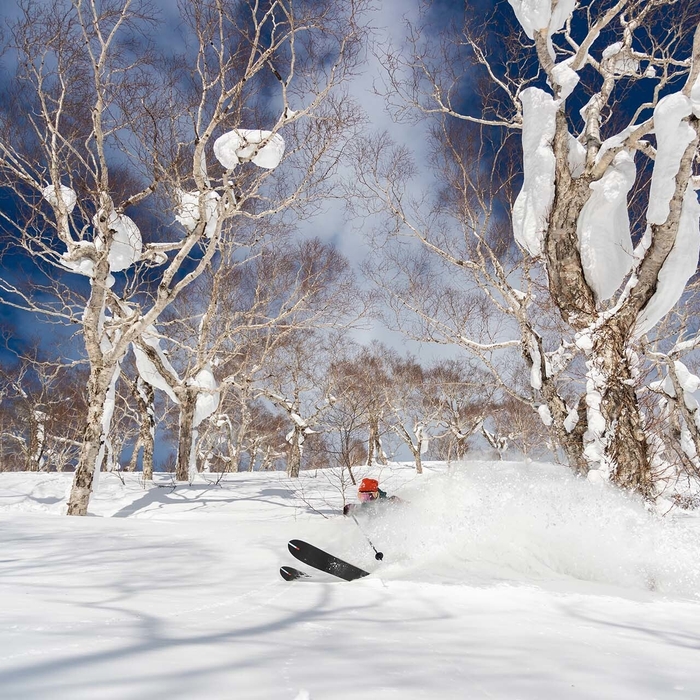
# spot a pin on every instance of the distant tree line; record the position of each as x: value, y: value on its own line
x: 343, y: 405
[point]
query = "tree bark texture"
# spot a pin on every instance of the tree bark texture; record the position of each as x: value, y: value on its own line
x: 92, y: 450
x: 624, y: 439
x: 186, y: 443
x: 294, y: 458
x: 374, y: 444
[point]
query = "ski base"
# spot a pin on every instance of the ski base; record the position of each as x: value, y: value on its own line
x: 323, y: 561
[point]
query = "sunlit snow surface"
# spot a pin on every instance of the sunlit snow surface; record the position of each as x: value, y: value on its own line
x: 499, y: 580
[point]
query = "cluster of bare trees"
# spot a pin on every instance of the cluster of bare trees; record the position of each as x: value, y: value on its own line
x: 316, y: 401
x: 139, y: 166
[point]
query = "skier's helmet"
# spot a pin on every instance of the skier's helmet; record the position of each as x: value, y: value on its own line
x: 368, y: 490
x: 368, y: 486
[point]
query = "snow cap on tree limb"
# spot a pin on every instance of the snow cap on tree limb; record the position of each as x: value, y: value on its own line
x: 566, y: 77
x: 208, y: 396
x: 188, y: 210
x: 126, y: 246
x: 695, y: 97
x: 147, y: 369
x: 603, y: 228
x: 673, y: 135
x: 680, y: 265
x: 534, y: 202
x: 263, y: 148
x: 79, y: 258
x: 536, y: 15
x: 67, y: 195
x: 619, y: 59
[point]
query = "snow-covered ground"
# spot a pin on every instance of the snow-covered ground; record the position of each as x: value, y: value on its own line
x: 510, y: 581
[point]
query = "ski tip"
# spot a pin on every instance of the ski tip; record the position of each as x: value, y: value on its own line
x: 289, y: 573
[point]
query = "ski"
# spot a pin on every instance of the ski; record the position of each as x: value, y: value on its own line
x: 323, y: 561
x: 289, y: 573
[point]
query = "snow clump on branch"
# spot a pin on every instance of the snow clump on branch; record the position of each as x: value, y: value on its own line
x: 534, y: 202
x: 263, y: 148
x: 536, y: 15
x: 673, y: 135
x: 68, y: 197
x: 208, y: 396
x: 603, y: 228
x: 126, y: 246
x: 147, y: 369
x: 188, y: 210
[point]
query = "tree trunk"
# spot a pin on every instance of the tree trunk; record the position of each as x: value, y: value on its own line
x: 266, y: 463
x: 100, y: 384
x: 253, y: 451
x: 149, y: 434
x: 295, y: 449
x: 626, y: 451
x: 37, y: 437
x: 187, y: 437
x: 418, y: 457
x: 241, y: 435
x: 571, y: 442
x: 374, y: 444
x: 144, y: 394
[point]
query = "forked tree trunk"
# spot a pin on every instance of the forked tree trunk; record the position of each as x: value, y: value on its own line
x: 614, y: 438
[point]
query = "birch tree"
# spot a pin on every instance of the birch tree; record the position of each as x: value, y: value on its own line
x: 460, y: 395
x: 103, y: 123
x: 605, y: 101
x: 298, y: 387
x: 359, y: 380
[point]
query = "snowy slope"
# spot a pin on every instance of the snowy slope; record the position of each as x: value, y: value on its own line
x: 499, y: 581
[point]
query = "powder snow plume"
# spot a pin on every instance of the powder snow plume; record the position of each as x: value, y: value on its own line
x: 518, y: 521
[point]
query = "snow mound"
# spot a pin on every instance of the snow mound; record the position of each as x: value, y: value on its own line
x: 513, y: 521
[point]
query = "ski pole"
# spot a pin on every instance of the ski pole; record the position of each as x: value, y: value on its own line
x: 377, y: 555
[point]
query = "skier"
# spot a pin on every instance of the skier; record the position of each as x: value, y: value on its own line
x: 369, y: 494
